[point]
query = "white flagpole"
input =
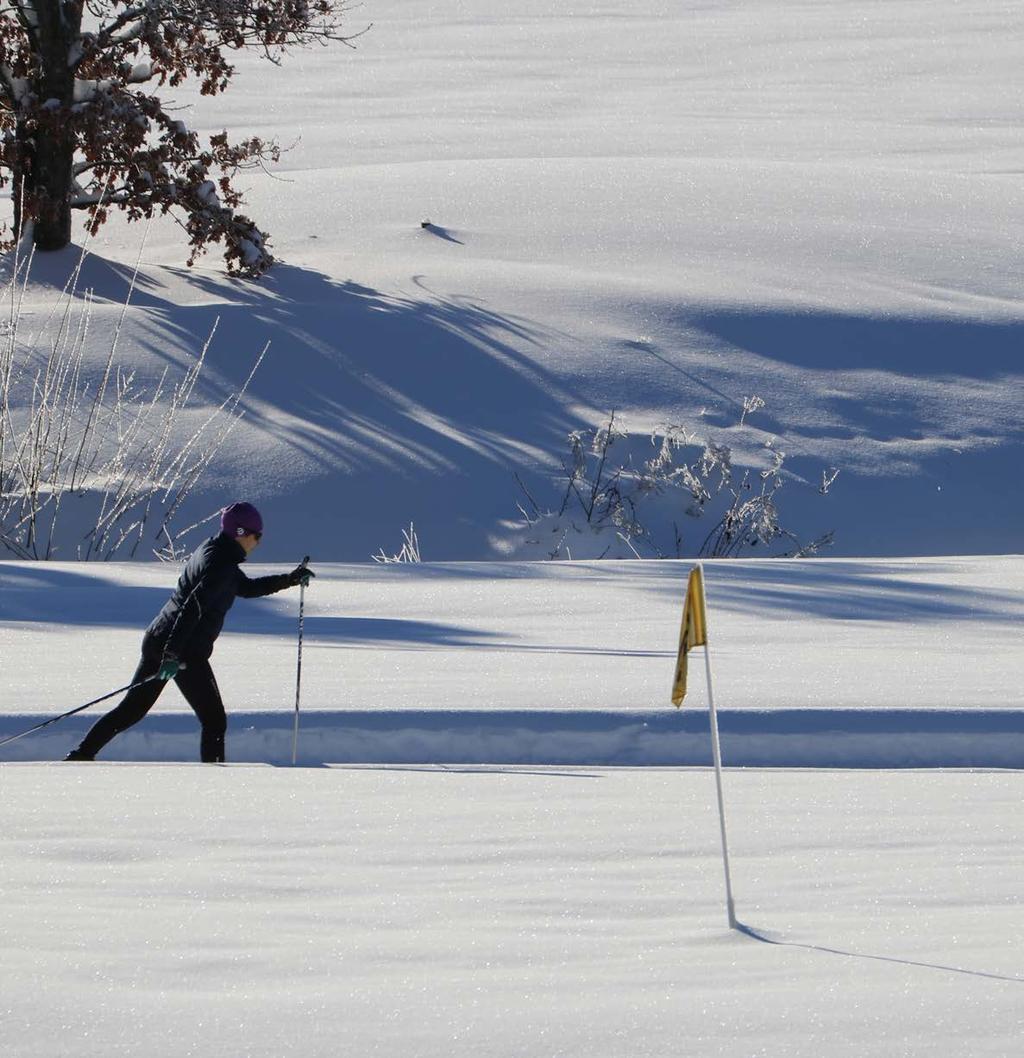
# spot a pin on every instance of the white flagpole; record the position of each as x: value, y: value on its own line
x: 717, y: 753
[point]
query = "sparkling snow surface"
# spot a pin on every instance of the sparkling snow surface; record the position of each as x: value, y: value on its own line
x: 929, y: 633
x: 182, y: 910
x: 849, y: 662
x: 661, y: 208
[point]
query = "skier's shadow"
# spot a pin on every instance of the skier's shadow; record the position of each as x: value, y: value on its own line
x: 749, y: 931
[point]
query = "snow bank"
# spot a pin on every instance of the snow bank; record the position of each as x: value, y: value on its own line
x: 825, y: 738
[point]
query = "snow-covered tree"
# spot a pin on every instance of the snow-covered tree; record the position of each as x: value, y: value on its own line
x: 81, y: 129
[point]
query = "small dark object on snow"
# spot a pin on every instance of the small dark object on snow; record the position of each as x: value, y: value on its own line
x: 440, y: 231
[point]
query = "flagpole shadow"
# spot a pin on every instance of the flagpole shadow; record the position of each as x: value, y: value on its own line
x: 749, y: 931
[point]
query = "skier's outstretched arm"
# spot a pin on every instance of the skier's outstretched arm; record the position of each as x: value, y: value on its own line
x: 256, y: 587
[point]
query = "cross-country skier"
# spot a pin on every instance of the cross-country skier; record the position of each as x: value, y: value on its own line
x: 179, y: 642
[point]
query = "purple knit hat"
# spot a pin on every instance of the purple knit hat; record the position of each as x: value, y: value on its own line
x: 239, y: 519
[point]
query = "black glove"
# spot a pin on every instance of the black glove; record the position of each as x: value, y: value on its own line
x: 300, y: 575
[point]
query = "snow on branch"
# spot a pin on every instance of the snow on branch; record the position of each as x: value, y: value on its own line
x: 77, y: 132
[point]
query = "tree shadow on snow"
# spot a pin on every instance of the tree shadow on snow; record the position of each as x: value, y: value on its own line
x: 918, y: 414
x: 854, y: 591
x: 47, y: 594
x: 414, y: 404
x: 41, y: 592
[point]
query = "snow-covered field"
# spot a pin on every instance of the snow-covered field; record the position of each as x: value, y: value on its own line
x: 458, y: 909
x: 661, y: 210
x: 665, y: 210
x: 261, y: 912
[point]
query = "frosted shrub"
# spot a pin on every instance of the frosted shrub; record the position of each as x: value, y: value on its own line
x: 410, y: 550
x: 609, y: 505
x: 89, y: 464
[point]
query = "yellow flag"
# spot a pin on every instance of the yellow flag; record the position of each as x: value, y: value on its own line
x: 694, y: 632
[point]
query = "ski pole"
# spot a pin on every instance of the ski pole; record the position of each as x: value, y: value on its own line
x: 71, y: 712
x: 298, y: 667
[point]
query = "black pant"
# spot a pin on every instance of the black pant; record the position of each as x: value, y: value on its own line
x: 195, y: 681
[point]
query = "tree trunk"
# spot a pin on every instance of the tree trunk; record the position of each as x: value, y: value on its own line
x: 47, y: 152
x: 52, y: 161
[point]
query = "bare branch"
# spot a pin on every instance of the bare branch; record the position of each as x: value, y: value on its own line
x: 75, y: 117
